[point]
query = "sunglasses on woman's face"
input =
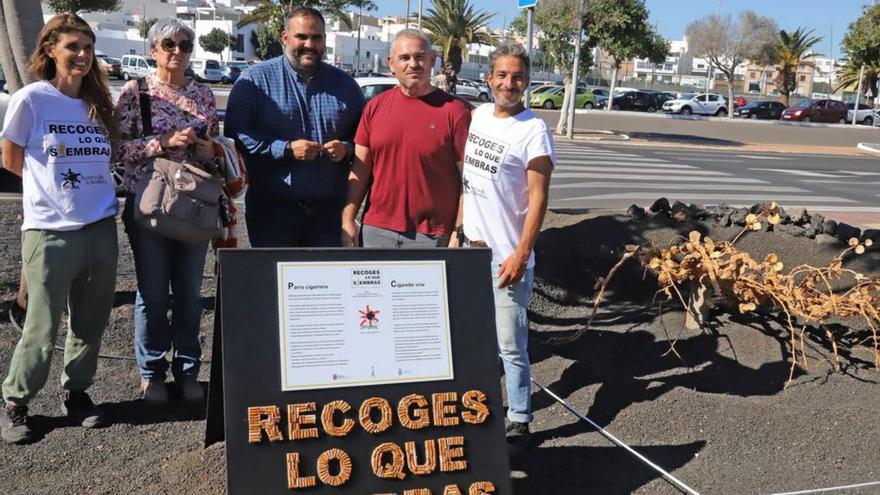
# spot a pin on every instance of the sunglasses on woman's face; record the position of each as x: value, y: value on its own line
x: 169, y: 45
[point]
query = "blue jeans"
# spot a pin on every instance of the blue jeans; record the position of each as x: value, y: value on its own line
x: 306, y: 223
x: 159, y: 263
x: 512, y: 324
x: 377, y: 237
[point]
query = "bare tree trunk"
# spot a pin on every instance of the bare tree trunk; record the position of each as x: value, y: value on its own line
x: 20, y: 23
x: 730, y: 102
x: 563, y: 112
x: 613, y: 87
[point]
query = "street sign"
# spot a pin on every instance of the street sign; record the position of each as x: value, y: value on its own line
x: 322, y: 386
x: 524, y: 4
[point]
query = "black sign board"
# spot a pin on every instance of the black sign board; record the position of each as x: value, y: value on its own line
x: 460, y: 450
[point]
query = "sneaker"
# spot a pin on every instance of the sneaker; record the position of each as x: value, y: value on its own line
x: 154, y: 392
x: 191, y: 390
x: 518, y: 436
x: 13, y: 424
x: 16, y: 315
x: 79, y: 407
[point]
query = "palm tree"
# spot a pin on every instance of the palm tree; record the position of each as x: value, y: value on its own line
x: 454, y: 24
x: 849, y: 78
x: 789, y: 54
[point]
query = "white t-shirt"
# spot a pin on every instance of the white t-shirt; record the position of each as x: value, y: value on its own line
x: 496, y: 158
x: 66, y: 179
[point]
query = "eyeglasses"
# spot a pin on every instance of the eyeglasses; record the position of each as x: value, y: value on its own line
x: 168, y: 44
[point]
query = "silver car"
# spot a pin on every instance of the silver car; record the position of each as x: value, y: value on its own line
x: 473, y: 90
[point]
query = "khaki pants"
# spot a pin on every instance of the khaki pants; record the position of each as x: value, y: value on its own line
x: 77, y: 268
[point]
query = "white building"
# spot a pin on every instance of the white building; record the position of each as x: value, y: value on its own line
x: 826, y: 69
x: 678, y: 63
x: 117, y: 33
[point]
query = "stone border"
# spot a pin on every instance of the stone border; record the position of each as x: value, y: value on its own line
x: 659, y: 114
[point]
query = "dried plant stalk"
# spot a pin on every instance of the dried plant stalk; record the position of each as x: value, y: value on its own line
x: 805, y: 293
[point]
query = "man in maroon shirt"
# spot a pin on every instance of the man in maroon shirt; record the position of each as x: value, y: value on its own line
x: 408, y: 152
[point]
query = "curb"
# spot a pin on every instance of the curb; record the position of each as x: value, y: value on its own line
x: 705, y: 118
x: 603, y: 135
x: 869, y: 147
x: 849, y: 152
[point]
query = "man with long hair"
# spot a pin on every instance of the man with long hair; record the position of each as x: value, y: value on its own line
x: 58, y: 134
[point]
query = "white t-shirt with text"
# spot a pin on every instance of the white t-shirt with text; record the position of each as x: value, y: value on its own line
x: 66, y: 179
x: 494, y: 180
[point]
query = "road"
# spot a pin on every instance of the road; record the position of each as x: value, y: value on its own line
x: 719, y: 131
x: 614, y: 177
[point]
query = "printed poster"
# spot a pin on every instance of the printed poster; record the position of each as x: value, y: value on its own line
x: 345, y: 324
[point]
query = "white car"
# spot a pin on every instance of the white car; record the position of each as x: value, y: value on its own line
x: 473, y: 90
x: 374, y: 86
x: 699, y: 104
x: 206, y: 70
x: 4, y: 103
x: 135, y: 66
x: 864, y: 116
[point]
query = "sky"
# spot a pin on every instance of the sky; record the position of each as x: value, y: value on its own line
x: 829, y: 18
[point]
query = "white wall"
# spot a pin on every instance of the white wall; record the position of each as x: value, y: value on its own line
x: 342, y: 49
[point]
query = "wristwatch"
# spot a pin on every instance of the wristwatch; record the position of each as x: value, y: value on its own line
x: 459, y: 232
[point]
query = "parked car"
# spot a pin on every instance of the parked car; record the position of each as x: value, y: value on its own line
x: 601, y: 101
x: 866, y: 115
x: 640, y: 101
x: 542, y: 88
x: 661, y: 96
x: 135, y: 66
x: 600, y: 92
x: 206, y: 70
x: 816, y: 111
x: 473, y: 90
x: 699, y: 103
x: 111, y: 66
x: 553, y: 98
x: 4, y: 104
x: 374, y: 86
x: 229, y: 71
x: 765, y: 110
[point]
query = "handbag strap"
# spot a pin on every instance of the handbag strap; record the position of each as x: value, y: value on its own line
x: 146, y: 114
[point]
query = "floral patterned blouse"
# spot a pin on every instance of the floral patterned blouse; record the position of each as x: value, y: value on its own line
x: 172, y: 108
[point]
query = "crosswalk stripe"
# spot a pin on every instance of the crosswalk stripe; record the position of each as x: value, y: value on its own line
x: 599, y: 156
x: 791, y: 199
x: 858, y: 173
x: 641, y: 170
x: 713, y: 160
x: 848, y: 209
x: 578, y: 164
x: 607, y: 159
x: 659, y: 178
x: 853, y: 180
x: 596, y: 185
x: 801, y: 173
x: 753, y: 157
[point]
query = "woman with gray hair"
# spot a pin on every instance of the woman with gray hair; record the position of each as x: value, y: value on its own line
x: 180, y: 120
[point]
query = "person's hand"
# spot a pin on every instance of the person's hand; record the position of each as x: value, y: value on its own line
x: 349, y: 234
x: 335, y: 150
x: 512, y: 269
x: 303, y: 149
x: 454, y: 241
x: 178, y: 139
x: 203, y: 149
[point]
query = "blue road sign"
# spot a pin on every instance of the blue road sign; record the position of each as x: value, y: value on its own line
x: 523, y: 4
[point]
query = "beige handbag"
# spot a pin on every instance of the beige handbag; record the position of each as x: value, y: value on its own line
x: 179, y: 201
